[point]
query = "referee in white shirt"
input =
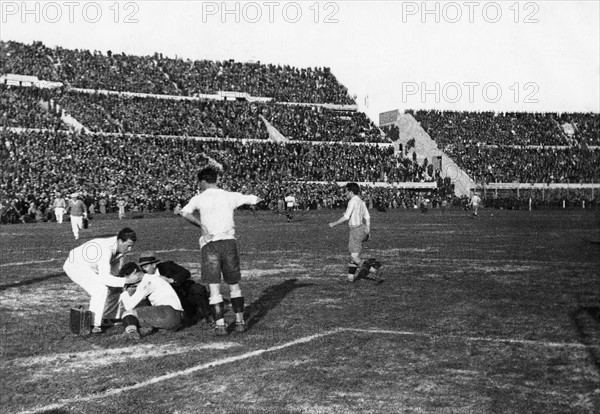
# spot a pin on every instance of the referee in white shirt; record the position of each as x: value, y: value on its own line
x: 359, y: 220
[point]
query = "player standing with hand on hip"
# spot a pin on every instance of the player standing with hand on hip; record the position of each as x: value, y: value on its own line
x: 217, y: 243
x: 359, y: 220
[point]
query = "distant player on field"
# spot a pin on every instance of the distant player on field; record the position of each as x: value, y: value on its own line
x: 358, y: 218
x: 59, y: 205
x: 475, y: 202
x: 290, y: 206
x: 121, y: 205
x: 217, y: 243
x: 78, y: 211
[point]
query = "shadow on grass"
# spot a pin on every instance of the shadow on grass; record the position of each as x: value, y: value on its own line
x: 587, y: 323
x: 31, y: 281
x: 270, y: 299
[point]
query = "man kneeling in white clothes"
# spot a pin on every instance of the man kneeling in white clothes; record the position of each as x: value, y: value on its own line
x: 95, y: 266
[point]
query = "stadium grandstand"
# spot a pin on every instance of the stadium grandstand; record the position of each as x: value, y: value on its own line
x: 116, y: 125
x: 515, y: 158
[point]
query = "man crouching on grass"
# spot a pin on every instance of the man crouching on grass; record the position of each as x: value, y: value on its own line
x: 165, y: 311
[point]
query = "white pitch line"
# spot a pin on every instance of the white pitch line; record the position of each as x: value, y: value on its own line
x: 302, y: 340
x: 55, y: 260
x: 178, y: 250
x: 475, y: 338
x: 28, y: 263
x: 172, y: 375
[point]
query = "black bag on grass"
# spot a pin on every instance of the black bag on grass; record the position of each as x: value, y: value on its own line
x: 81, y: 321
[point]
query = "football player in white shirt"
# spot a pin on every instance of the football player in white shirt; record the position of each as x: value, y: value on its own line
x: 290, y: 205
x: 217, y: 243
x: 59, y: 207
x: 165, y: 311
x: 359, y: 220
x: 475, y: 202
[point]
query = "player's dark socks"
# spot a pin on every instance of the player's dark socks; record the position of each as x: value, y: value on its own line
x: 237, y: 304
x: 131, y: 320
x: 352, y: 267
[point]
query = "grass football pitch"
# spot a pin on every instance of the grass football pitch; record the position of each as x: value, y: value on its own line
x: 499, y: 314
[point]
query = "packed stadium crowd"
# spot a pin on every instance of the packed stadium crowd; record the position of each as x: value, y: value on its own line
x: 211, y: 118
x: 155, y: 169
x: 22, y: 108
x: 140, y: 149
x: 162, y: 75
x: 451, y: 128
x: 39, y: 108
x: 529, y: 165
x: 518, y: 147
x: 282, y: 83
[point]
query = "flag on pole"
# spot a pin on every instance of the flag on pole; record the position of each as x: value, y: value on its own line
x: 274, y: 135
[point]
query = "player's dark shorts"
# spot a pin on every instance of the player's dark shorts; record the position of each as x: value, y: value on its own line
x: 357, y: 237
x: 161, y: 317
x: 221, y: 256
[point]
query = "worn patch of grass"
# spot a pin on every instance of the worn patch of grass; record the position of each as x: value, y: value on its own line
x: 498, y: 314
